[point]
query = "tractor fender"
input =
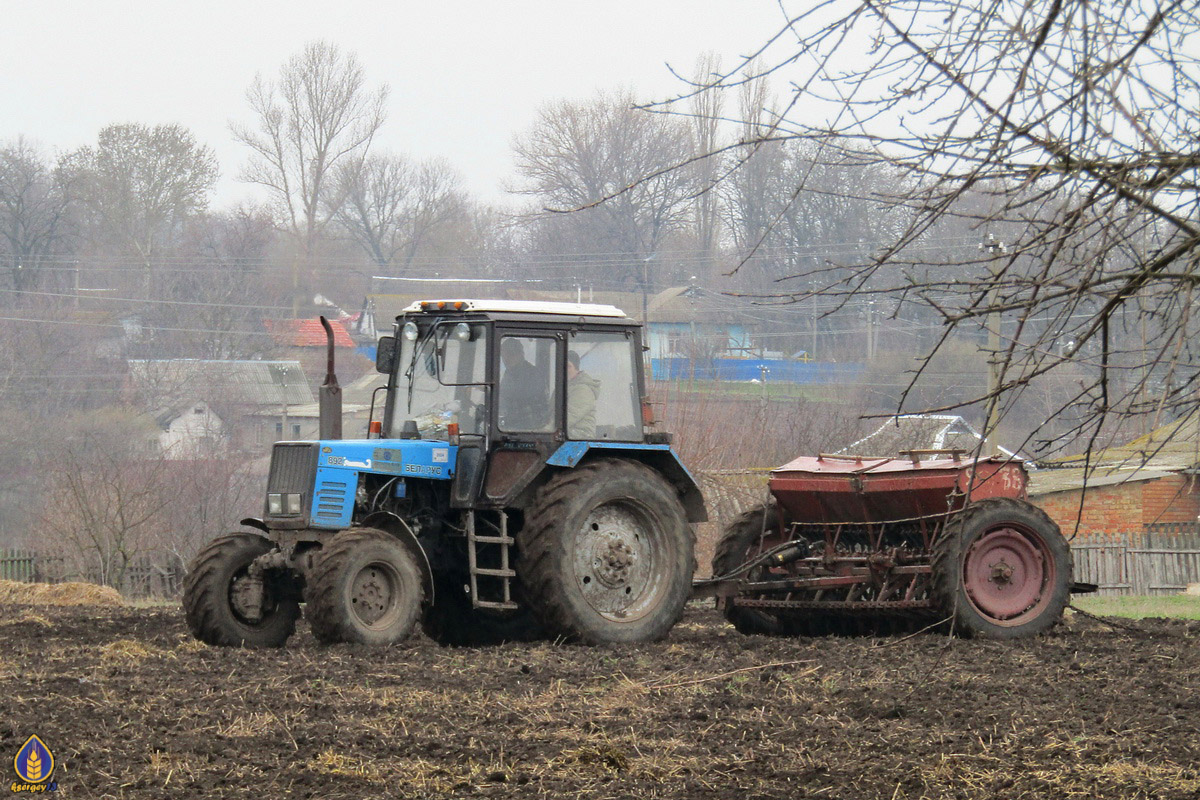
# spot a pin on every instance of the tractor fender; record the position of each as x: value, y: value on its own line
x: 256, y: 523
x: 659, y: 457
x: 389, y: 522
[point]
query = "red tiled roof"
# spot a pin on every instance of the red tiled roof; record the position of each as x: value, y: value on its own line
x: 307, y: 333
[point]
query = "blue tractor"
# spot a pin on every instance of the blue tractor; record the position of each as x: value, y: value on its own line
x: 512, y: 489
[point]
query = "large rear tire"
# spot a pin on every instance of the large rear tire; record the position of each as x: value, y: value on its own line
x: 215, y: 596
x: 365, y: 588
x: 452, y: 621
x: 606, y: 554
x: 1002, y: 570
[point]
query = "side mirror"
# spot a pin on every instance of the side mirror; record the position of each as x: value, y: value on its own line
x: 385, y: 354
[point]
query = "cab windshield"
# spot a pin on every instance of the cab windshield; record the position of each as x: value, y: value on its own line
x: 440, y: 379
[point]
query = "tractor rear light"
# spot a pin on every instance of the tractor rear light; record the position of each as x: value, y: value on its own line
x: 452, y: 432
x: 275, y: 503
x: 291, y: 503
x: 647, y: 412
x: 375, y: 429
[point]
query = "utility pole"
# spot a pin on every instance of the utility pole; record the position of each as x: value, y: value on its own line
x: 870, y: 331
x: 996, y: 251
x: 646, y: 290
x: 647, y: 356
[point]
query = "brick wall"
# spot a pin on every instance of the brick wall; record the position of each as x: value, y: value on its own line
x: 1125, y: 508
x: 1173, y: 499
x: 1106, y: 509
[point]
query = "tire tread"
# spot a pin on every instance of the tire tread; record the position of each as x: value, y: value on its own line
x: 206, y: 596
x: 321, y: 594
x: 540, y: 544
x: 946, y: 565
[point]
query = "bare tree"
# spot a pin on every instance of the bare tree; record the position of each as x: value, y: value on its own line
x: 105, y: 491
x: 213, y: 308
x: 35, y: 201
x: 141, y: 184
x: 208, y: 495
x: 706, y: 111
x: 577, y: 154
x: 318, y: 114
x: 1066, y: 130
x: 395, y: 209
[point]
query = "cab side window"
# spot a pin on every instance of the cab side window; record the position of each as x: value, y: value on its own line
x: 602, y: 390
x: 527, y: 392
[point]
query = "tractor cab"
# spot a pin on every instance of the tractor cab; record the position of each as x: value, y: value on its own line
x: 510, y: 384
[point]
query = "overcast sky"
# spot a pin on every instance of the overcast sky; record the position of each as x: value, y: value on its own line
x: 464, y: 76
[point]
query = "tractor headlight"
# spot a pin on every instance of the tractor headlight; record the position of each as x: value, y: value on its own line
x: 411, y: 332
x: 291, y: 503
x: 462, y: 332
x: 274, y: 503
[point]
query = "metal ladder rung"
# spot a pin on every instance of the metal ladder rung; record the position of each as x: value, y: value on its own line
x: 505, y: 573
x: 495, y: 539
x: 505, y: 606
x: 495, y: 573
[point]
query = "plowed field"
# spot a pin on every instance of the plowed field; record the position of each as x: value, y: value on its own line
x: 131, y: 707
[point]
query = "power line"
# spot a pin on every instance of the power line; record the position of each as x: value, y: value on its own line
x: 70, y: 296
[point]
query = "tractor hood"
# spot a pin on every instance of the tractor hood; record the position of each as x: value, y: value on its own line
x: 413, y: 458
x: 315, y: 483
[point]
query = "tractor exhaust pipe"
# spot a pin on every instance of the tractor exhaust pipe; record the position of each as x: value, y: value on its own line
x: 330, y: 395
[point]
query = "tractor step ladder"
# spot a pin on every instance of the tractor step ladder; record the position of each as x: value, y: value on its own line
x: 504, y: 572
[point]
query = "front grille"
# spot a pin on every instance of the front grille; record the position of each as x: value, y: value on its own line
x: 333, y: 499
x: 293, y: 470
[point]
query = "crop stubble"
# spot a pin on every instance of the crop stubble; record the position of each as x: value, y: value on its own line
x: 132, y: 707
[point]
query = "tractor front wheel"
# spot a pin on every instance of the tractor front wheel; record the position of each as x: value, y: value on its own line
x: 228, y: 605
x: 365, y: 588
x: 1002, y: 570
x: 606, y: 554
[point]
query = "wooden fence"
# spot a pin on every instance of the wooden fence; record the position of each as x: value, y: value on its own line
x: 143, y: 578
x: 23, y: 565
x: 1163, y: 560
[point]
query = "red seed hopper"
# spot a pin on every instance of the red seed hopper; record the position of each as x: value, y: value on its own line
x: 831, y: 488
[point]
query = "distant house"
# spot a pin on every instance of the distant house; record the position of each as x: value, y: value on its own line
x: 246, y: 403
x: 1128, y: 489
x: 306, y: 333
x: 305, y: 341
x: 921, y: 432
x: 304, y: 420
x: 189, y: 430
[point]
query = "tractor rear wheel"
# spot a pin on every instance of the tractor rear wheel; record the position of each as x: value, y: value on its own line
x: 1001, y: 570
x: 365, y: 588
x: 606, y: 554
x: 227, y: 606
x: 742, y: 540
x: 452, y: 621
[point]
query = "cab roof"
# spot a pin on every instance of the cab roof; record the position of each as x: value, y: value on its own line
x: 517, y: 306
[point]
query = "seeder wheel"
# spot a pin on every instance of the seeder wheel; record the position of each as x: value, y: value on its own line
x: 1002, y: 570
x: 752, y: 533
